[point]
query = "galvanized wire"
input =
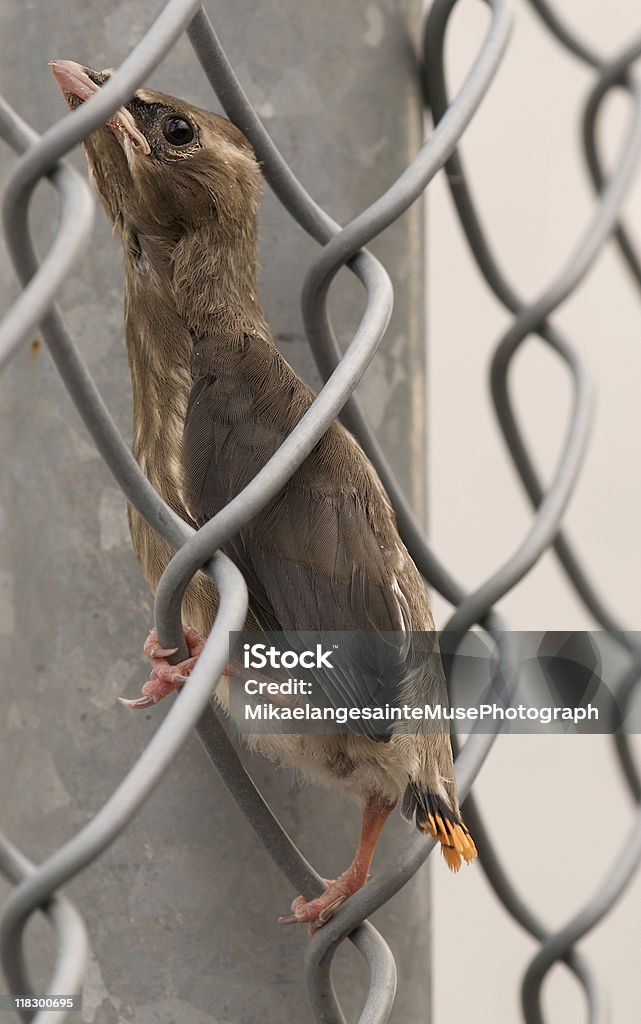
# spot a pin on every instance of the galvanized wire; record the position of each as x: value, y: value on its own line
x: 534, y: 319
x: 36, y: 888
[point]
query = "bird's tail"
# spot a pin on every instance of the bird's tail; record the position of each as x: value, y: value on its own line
x: 435, y: 818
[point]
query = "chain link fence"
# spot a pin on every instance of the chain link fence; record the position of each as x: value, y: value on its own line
x: 41, y: 887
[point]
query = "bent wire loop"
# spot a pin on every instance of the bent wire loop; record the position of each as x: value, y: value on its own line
x: 38, y: 888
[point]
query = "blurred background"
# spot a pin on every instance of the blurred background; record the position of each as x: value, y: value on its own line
x: 556, y: 806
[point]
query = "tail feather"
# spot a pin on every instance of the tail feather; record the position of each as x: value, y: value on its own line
x: 435, y: 818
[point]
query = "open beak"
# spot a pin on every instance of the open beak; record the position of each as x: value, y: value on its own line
x: 78, y: 84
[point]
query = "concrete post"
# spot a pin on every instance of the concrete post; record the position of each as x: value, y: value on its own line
x: 182, y: 909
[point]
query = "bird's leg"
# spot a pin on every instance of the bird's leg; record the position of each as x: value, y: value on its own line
x: 166, y: 677
x: 317, y: 912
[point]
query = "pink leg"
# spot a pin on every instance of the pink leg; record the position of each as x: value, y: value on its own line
x: 166, y: 677
x: 317, y: 912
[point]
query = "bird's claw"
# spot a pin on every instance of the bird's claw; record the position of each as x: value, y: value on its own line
x: 165, y: 677
x: 329, y: 911
x: 316, y: 912
x: 139, y: 702
x: 289, y: 919
x: 162, y: 652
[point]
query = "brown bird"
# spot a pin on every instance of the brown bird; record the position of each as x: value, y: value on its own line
x: 213, y: 399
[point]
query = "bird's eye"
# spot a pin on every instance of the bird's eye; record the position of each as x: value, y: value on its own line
x: 178, y: 131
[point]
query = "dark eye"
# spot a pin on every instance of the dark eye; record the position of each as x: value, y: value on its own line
x: 178, y: 131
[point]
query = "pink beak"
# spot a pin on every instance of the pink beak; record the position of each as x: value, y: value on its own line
x: 77, y: 85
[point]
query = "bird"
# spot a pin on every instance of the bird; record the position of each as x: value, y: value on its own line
x: 213, y: 399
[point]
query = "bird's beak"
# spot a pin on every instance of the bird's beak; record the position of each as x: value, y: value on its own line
x: 78, y: 84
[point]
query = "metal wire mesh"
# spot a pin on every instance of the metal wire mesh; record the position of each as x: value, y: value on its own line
x: 40, y: 887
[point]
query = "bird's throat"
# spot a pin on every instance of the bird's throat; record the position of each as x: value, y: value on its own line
x: 177, y: 290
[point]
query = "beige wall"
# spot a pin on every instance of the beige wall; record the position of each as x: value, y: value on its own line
x: 556, y: 806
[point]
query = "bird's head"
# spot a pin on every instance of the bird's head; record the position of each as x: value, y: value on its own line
x: 162, y: 166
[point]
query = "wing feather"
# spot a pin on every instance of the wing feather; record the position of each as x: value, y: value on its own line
x: 324, y: 554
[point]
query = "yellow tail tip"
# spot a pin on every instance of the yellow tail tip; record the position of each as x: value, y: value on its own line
x: 456, y: 842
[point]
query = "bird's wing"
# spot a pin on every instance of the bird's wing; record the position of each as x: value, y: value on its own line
x: 324, y: 554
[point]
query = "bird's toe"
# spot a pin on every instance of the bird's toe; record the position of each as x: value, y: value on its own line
x: 165, y: 677
x: 319, y: 911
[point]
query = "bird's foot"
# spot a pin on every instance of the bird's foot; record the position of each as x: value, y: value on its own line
x: 318, y: 912
x: 166, y: 677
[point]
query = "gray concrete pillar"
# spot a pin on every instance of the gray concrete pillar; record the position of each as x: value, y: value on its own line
x: 182, y: 909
